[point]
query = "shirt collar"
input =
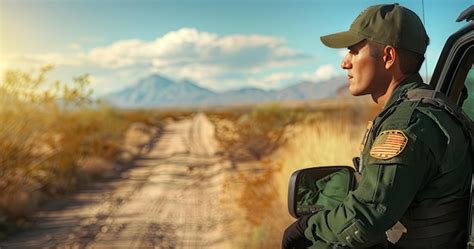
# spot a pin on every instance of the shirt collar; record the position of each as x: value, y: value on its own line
x: 411, y: 82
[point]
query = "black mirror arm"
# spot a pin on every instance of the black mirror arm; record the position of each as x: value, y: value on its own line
x: 467, y: 14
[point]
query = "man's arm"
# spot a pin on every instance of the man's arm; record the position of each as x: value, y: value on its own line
x: 387, y: 188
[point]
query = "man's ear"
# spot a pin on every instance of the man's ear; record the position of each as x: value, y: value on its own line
x: 389, y: 56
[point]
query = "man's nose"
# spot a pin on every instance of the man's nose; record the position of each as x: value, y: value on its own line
x: 345, y: 63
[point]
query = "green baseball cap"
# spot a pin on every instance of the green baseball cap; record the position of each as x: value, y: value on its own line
x: 389, y: 24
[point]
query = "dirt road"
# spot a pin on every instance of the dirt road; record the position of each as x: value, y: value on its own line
x: 171, y: 198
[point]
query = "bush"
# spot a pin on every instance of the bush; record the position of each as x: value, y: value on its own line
x: 316, y: 137
x: 258, y: 133
x: 47, y: 128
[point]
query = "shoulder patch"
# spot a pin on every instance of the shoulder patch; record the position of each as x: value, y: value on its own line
x: 388, y: 144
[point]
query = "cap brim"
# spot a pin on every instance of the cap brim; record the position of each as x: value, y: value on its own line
x: 342, y: 39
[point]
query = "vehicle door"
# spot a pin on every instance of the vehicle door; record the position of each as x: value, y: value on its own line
x: 454, y: 76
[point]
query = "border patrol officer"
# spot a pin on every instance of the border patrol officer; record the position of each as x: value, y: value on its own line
x: 416, y: 159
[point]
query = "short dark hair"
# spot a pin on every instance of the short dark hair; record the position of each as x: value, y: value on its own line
x: 375, y: 48
x: 410, y: 62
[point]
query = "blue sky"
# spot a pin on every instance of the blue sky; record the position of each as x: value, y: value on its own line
x: 221, y: 45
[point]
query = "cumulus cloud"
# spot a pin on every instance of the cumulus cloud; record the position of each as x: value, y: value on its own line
x: 201, y: 56
x: 119, y: 54
x: 323, y: 72
x: 272, y: 81
x: 277, y: 77
x: 186, y: 53
x: 193, y: 53
x: 342, y: 52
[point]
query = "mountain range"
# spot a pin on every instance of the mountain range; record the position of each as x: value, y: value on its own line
x: 159, y: 91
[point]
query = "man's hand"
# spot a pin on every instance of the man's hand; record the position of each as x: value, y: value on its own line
x: 294, y: 238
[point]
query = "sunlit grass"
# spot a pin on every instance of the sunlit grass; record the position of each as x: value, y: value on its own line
x: 333, y: 141
x: 323, y: 138
x: 48, y: 138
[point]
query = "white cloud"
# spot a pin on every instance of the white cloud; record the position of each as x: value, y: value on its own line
x: 200, y: 51
x: 198, y: 73
x: 277, y: 77
x: 185, y: 53
x: 272, y: 81
x: 323, y: 72
x: 342, y: 52
x: 275, y: 80
x: 119, y: 54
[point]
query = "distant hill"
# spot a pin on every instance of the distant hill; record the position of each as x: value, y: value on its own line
x: 159, y: 91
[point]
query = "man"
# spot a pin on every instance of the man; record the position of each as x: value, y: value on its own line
x: 416, y: 159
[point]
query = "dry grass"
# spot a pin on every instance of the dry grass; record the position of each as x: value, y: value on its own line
x: 52, y: 139
x: 325, y: 137
x: 257, y: 133
x: 333, y: 141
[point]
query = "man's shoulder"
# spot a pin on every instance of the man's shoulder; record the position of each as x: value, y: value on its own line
x: 413, y: 114
x: 417, y: 128
x: 431, y: 126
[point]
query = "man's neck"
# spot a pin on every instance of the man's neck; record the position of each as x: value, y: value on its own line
x: 382, y: 99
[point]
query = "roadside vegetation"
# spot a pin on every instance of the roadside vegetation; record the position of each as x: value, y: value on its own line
x: 53, y: 138
x: 257, y: 133
x: 287, y: 139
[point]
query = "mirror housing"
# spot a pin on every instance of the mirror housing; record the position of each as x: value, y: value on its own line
x: 316, y: 188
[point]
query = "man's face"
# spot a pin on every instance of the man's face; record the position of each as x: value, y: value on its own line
x: 364, y: 71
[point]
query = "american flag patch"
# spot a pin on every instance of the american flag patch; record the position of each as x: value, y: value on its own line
x: 388, y: 144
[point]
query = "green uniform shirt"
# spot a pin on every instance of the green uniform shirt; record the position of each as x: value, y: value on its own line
x: 433, y: 164
x: 325, y: 193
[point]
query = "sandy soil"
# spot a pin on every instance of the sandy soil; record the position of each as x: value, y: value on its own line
x: 171, y: 198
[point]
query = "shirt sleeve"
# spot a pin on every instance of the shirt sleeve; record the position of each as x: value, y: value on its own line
x: 387, y: 188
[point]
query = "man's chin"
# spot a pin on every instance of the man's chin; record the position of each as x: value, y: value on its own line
x: 355, y: 92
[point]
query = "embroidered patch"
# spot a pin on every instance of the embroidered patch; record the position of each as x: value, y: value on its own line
x: 388, y: 144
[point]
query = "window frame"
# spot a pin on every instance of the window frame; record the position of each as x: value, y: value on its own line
x: 450, y: 74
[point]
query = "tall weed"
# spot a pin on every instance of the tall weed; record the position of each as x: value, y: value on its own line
x: 258, y: 133
x: 323, y: 138
x: 46, y: 129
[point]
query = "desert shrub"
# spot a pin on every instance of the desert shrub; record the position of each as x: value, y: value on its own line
x: 46, y: 129
x: 148, y: 117
x: 320, y: 138
x: 257, y: 133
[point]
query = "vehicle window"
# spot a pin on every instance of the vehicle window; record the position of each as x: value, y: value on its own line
x: 468, y: 105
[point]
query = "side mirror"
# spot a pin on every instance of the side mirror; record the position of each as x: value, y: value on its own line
x: 317, y: 188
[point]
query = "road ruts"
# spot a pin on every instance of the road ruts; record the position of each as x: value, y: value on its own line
x: 171, y: 198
